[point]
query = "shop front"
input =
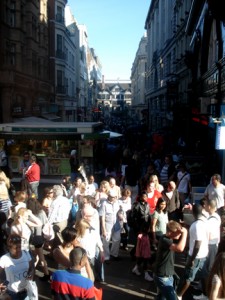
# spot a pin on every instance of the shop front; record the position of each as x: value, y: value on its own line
x: 52, y: 142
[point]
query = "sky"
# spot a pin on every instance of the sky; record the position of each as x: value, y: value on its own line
x: 114, y: 28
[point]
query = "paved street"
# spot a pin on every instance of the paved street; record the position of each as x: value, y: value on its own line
x: 120, y: 282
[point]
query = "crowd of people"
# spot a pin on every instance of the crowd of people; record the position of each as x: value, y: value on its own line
x: 91, y: 221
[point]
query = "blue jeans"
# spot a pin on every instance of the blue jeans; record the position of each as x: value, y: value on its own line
x: 165, y: 288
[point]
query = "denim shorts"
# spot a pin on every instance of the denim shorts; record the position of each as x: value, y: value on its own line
x: 191, y: 271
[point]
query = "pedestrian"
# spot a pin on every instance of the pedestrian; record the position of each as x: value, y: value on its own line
x: 216, y: 282
x: 61, y: 253
x: 198, y: 250
x: 22, y: 225
x: 168, y: 171
x: 5, y: 202
x: 143, y: 253
x: 125, y: 203
x: 163, y: 268
x: 58, y: 213
x: 33, y: 176
x: 137, y: 218
x: 159, y: 221
x: 18, y: 267
x: 114, y: 187
x: 69, y: 283
x: 153, y: 196
x: 74, y: 165
x: 132, y: 176
x: 24, y: 165
x: 102, y: 193
x: 47, y: 199
x: 38, y: 240
x: 110, y: 233
x: 171, y: 195
x: 216, y: 190
x: 183, y: 183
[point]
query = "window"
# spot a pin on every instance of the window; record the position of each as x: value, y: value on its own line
x: 10, y: 54
x: 34, y: 63
x: 59, y: 45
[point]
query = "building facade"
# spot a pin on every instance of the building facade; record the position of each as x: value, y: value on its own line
x: 138, y: 71
x: 167, y: 75
x: 25, y: 85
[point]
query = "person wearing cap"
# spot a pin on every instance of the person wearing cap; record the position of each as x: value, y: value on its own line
x: 110, y: 231
x: 74, y: 165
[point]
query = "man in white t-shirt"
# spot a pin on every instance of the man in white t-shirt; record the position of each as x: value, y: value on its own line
x: 216, y: 190
x: 198, y: 250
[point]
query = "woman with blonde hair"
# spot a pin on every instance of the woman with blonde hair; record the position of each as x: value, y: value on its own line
x: 102, y: 193
x: 158, y: 186
x: 23, y: 222
x: 95, y: 253
x: 5, y: 202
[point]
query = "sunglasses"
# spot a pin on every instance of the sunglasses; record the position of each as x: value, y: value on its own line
x: 15, y: 239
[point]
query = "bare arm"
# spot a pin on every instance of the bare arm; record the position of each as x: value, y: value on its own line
x: 182, y: 243
x: 215, y: 291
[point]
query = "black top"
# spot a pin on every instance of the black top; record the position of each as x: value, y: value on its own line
x: 164, y: 264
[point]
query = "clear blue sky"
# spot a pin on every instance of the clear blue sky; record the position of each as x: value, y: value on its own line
x: 114, y: 29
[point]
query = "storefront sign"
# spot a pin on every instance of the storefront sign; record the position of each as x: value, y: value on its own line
x: 40, y: 129
x: 220, y: 137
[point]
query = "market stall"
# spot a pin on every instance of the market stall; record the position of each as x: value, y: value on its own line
x: 52, y: 142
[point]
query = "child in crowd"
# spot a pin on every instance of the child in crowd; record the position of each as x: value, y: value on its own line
x: 143, y: 253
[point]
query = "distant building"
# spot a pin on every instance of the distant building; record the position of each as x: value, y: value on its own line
x: 139, y: 104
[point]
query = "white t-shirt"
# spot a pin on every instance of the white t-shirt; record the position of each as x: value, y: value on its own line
x: 213, y: 223
x: 199, y: 232
x: 216, y: 193
x: 16, y: 270
x: 183, y: 182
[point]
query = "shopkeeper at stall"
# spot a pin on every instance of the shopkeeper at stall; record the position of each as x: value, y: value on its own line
x: 33, y: 176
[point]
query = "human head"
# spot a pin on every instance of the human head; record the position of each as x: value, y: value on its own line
x: 48, y: 191
x: 168, y: 159
x: 33, y: 158
x: 151, y: 186
x: 126, y: 193
x: 78, y: 181
x: 69, y: 235
x: 161, y: 205
x: 171, y: 186
x: 78, y: 257
x: 21, y: 215
x: 87, y: 212
x: 20, y: 196
x: 14, y: 245
x: 173, y: 229
x: 26, y: 155
x: 81, y: 226
x: 216, y: 179
x: 211, y: 206
x: 57, y: 191
x: 143, y: 196
x: 104, y: 185
x: 112, y: 196
x: 73, y: 152
x: 91, y: 179
x: 34, y: 205
x: 112, y: 182
x: 197, y: 210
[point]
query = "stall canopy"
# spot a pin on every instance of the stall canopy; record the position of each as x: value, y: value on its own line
x: 105, y: 134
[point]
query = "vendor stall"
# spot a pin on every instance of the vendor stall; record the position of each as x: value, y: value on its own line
x: 52, y: 142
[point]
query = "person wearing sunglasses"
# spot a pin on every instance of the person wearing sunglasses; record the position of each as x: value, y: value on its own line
x: 18, y: 267
x: 69, y: 283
